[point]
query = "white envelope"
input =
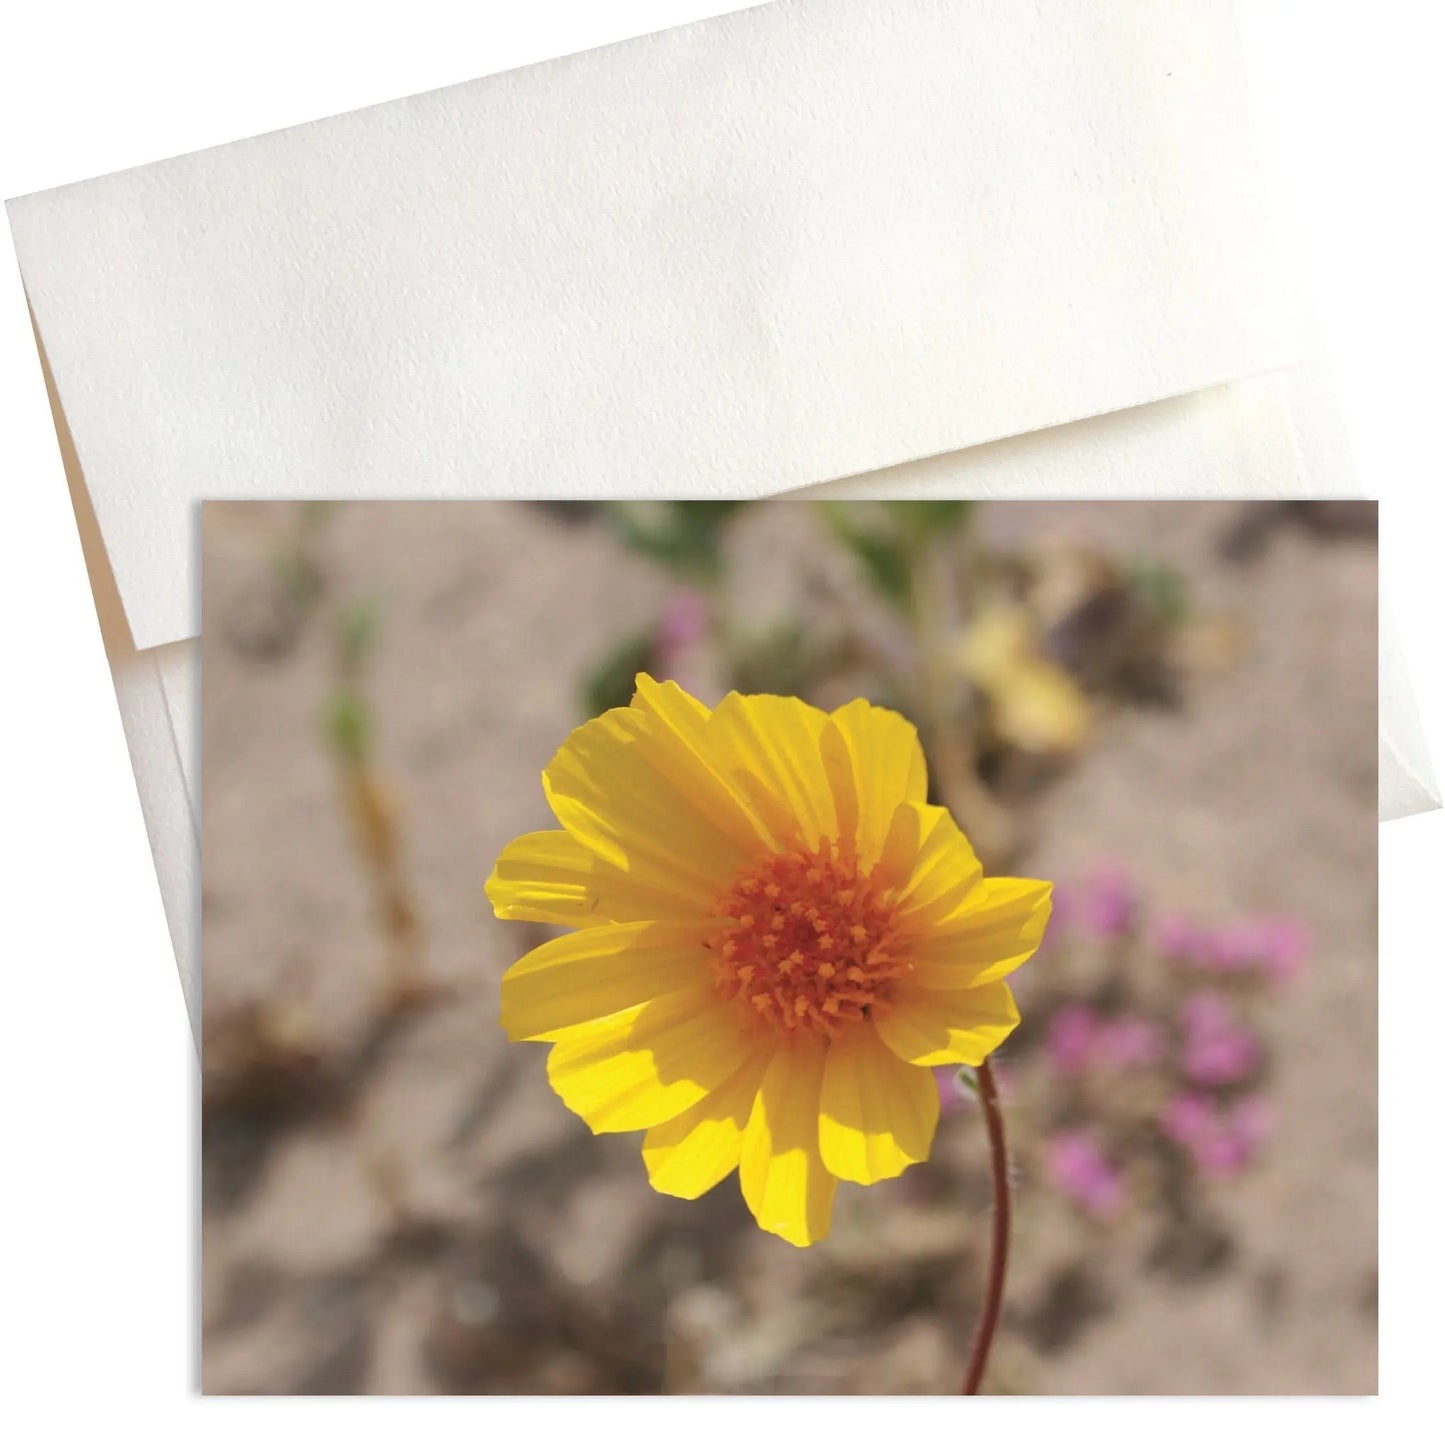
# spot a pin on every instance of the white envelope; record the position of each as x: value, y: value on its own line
x: 812, y: 240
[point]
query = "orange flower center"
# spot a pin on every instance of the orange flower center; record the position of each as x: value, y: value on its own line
x: 808, y: 941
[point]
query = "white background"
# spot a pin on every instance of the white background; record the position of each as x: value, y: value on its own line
x: 98, y: 1132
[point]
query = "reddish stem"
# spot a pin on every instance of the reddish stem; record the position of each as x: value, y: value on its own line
x: 1002, y: 1217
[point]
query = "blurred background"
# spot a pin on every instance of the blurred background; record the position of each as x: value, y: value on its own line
x: 1168, y: 709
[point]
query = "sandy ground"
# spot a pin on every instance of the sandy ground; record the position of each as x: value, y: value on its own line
x: 424, y: 1215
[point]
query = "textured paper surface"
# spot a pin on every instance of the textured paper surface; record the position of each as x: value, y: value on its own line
x: 814, y: 238
x: 1408, y: 784
x: 172, y: 815
x: 767, y: 251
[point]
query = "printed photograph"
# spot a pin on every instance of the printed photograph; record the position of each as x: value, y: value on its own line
x: 793, y: 947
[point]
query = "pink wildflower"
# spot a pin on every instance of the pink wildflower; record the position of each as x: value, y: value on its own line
x: 685, y: 622
x: 1187, y: 1117
x: 1128, y: 1042
x: 1233, y: 950
x: 1284, y: 946
x: 1218, y: 1049
x: 1220, y: 1141
x: 1079, y: 1168
x: 1108, y: 903
x: 1179, y: 937
x: 1071, y: 1039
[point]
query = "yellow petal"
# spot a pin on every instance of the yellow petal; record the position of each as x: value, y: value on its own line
x: 877, y: 1114
x: 772, y: 745
x: 874, y: 764
x: 906, y: 832
x: 605, y: 790
x: 595, y: 972
x: 998, y: 926
x: 695, y: 1151
x: 552, y: 878
x: 933, y: 1026
x: 679, y: 751
x: 639, y: 1068
x: 784, y: 1182
x: 945, y: 871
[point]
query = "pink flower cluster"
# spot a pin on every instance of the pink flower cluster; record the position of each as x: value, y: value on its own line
x: 1192, y: 1039
x: 1078, y: 1166
x: 1218, y: 1048
x: 1221, y: 1140
x: 1079, y: 1039
x: 1105, y: 906
x: 1274, y: 949
x: 1201, y: 1051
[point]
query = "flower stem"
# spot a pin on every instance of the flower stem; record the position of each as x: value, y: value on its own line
x: 1002, y: 1217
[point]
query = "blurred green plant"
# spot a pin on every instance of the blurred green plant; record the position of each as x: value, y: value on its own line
x: 685, y: 537
x: 348, y: 726
x: 349, y: 723
x: 613, y: 679
x: 783, y: 660
x: 296, y: 565
x: 1161, y: 590
x: 356, y: 632
x: 888, y: 538
x: 928, y: 521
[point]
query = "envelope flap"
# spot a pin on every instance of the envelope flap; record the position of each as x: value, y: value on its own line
x: 787, y: 245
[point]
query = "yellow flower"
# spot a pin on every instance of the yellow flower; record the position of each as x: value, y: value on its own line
x: 1036, y: 704
x: 774, y: 940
